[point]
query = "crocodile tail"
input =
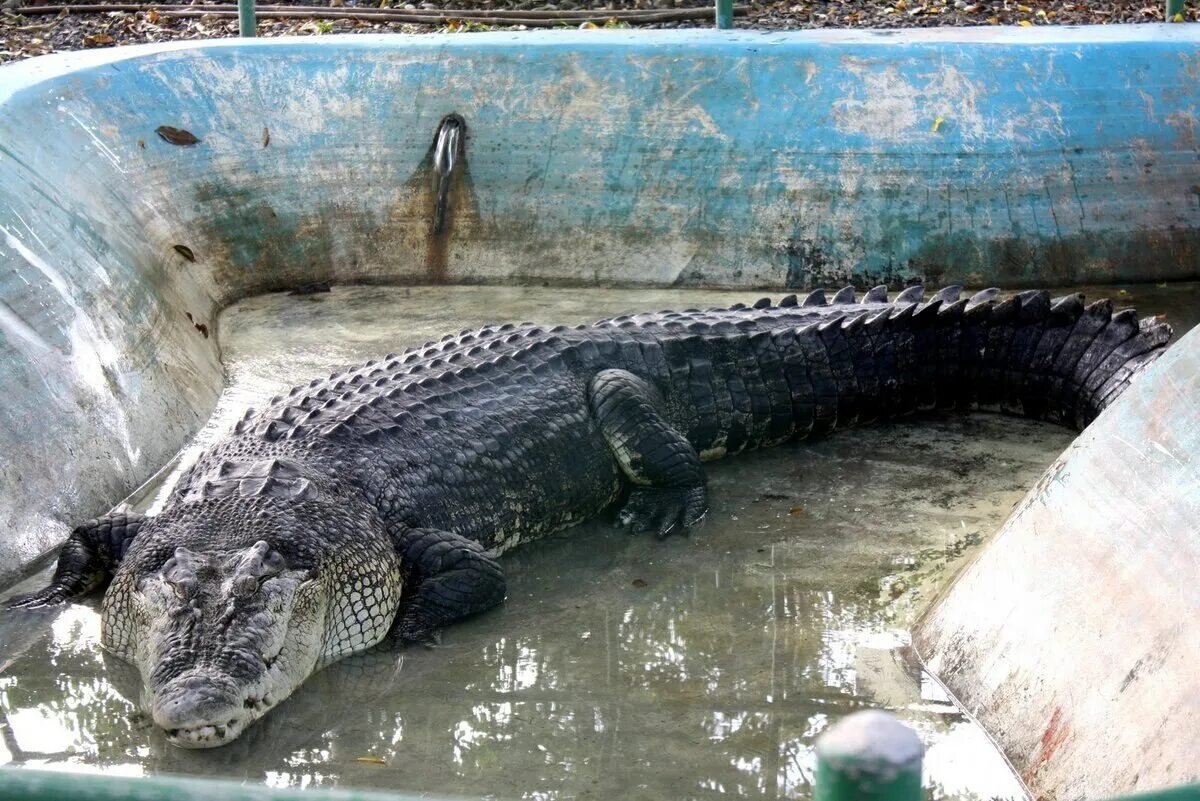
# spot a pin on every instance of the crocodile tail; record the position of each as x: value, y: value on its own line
x: 1051, y: 359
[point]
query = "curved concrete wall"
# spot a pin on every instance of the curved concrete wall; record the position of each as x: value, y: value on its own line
x: 1075, y: 637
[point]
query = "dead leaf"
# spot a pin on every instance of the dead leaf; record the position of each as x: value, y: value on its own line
x: 176, y: 136
x: 796, y: 510
x: 98, y: 40
x: 937, y: 123
x: 370, y: 760
x: 266, y: 136
x: 152, y: 15
x: 638, y: 583
x: 186, y: 252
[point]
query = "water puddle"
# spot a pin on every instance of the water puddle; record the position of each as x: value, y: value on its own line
x: 620, y: 666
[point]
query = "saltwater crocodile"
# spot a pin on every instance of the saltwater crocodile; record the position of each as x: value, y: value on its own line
x: 377, y: 500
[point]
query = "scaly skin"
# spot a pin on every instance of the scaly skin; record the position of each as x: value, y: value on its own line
x: 378, y: 499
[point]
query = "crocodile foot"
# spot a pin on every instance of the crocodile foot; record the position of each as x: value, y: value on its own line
x: 50, y: 596
x: 664, y: 510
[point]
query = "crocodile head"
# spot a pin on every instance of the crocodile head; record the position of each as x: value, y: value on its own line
x: 226, y: 608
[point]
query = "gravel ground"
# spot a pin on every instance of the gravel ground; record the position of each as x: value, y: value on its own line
x: 25, y: 35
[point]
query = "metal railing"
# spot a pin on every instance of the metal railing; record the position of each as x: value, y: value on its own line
x: 866, y: 756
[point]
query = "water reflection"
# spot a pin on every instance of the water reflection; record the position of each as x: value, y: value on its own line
x: 620, y: 666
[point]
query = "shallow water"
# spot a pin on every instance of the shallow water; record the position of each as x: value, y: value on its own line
x: 620, y: 666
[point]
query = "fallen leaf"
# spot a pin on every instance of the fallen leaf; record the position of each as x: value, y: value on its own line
x: 152, y: 15
x: 638, y: 583
x: 186, y: 252
x: 937, y: 123
x: 98, y: 40
x: 266, y: 136
x: 588, y: 26
x: 796, y: 510
x: 370, y: 760
x: 1025, y: 23
x: 176, y: 136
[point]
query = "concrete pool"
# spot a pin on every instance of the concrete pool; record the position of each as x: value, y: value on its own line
x: 686, y: 160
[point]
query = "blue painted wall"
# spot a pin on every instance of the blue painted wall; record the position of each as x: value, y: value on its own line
x: 683, y: 157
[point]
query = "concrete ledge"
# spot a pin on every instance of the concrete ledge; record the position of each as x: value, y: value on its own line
x: 1075, y: 637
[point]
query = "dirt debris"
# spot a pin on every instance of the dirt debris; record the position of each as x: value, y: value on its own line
x: 26, y: 35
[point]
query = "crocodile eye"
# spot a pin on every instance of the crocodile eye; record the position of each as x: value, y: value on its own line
x: 184, y: 588
x: 244, y: 586
x: 180, y: 573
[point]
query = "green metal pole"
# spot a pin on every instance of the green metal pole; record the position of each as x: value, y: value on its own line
x: 19, y: 784
x: 869, y: 756
x: 724, y: 14
x: 1174, y: 9
x: 246, y: 21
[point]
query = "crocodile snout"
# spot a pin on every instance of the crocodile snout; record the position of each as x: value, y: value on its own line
x: 200, y: 711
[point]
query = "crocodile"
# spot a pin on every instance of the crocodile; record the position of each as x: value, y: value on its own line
x: 374, y: 503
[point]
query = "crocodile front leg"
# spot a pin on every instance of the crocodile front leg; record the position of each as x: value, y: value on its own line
x: 87, y: 559
x: 669, y: 491
x: 448, y: 577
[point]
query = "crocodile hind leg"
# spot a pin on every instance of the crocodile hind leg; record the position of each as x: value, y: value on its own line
x: 447, y: 577
x: 86, y: 561
x: 669, y: 484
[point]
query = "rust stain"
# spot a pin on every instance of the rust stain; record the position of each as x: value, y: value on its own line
x: 1057, y: 732
x: 435, y: 250
x: 438, y: 237
x: 177, y: 136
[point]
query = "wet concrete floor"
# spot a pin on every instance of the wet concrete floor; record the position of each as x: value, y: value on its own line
x: 620, y: 666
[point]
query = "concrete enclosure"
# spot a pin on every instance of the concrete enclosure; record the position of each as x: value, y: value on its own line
x: 1075, y: 637
x: 1016, y: 157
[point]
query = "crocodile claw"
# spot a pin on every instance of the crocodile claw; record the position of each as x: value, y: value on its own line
x: 419, y: 635
x: 49, y: 596
x: 664, y: 511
